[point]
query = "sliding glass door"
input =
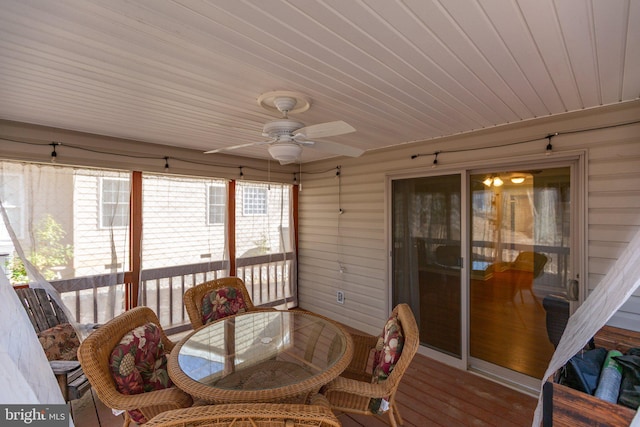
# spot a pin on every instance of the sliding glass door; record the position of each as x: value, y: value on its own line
x: 477, y: 255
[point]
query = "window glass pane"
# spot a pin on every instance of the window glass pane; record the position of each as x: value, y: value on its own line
x: 254, y: 200
x: 177, y: 218
x: 115, y: 202
x: 217, y: 204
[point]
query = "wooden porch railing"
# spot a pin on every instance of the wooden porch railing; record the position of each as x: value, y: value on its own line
x: 268, y: 279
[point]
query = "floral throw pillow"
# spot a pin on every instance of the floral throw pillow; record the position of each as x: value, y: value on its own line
x: 221, y: 303
x: 139, y: 364
x: 386, y: 356
x: 60, y: 342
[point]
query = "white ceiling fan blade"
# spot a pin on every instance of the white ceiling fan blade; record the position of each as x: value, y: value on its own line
x: 234, y: 147
x: 335, y: 148
x: 322, y: 130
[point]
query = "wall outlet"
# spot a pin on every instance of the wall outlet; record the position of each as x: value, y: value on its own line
x: 340, y: 297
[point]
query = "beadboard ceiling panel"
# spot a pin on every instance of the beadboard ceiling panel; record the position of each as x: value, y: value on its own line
x: 188, y: 72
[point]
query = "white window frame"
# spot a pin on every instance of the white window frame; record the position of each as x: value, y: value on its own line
x: 211, y: 204
x: 102, y: 204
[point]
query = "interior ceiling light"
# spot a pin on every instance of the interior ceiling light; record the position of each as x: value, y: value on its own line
x: 495, y: 181
x: 517, y: 179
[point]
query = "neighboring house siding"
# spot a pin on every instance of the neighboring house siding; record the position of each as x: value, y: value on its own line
x: 32, y: 193
x: 175, y: 228
x: 92, y: 242
x: 357, y: 239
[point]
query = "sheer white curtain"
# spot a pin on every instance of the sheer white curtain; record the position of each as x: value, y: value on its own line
x: 265, y: 257
x: 66, y: 230
x: 23, y: 364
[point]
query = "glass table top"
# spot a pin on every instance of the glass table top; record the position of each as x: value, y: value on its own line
x: 262, y: 350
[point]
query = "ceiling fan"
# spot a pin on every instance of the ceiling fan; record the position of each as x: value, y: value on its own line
x: 287, y: 137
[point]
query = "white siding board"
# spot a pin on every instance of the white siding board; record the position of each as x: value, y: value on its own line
x: 614, y: 199
x: 614, y: 217
x: 609, y: 250
x: 621, y: 182
x: 620, y: 233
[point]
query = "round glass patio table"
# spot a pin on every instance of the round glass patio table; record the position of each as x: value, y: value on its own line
x: 261, y: 356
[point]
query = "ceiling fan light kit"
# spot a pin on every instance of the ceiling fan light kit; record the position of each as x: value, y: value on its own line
x: 288, y: 137
x: 285, y: 152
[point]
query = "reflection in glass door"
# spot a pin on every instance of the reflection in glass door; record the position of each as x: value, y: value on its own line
x: 426, y: 232
x: 520, y: 252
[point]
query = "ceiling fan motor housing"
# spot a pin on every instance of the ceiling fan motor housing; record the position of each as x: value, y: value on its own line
x: 284, y: 127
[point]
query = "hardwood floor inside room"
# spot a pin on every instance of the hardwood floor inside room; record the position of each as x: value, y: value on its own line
x: 507, y: 319
x: 431, y: 394
x: 508, y: 324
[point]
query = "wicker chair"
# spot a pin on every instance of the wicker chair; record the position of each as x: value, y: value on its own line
x: 354, y: 391
x: 193, y: 297
x: 95, y: 354
x: 251, y: 415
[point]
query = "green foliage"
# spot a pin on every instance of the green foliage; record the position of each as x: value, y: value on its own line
x: 49, y: 252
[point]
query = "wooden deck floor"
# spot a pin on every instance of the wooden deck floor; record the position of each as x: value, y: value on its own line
x: 431, y: 394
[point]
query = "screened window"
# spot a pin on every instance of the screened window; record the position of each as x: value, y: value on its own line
x: 177, y: 212
x: 254, y: 201
x: 217, y: 204
x: 114, y: 202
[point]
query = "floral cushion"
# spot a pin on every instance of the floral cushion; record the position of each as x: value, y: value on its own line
x: 60, y: 342
x: 386, y: 356
x: 222, y: 302
x: 139, y: 364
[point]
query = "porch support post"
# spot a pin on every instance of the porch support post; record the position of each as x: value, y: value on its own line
x: 135, y: 242
x: 231, y: 227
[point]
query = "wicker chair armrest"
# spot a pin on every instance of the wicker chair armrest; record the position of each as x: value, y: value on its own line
x: 171, y: 398
x: 360, y: 388
x: 362, y: 347
x: 319, y: 400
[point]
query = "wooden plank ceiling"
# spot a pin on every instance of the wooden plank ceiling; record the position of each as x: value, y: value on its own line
x: 188, y: 72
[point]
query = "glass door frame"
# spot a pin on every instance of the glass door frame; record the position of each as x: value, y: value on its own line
x: 576, y: 160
